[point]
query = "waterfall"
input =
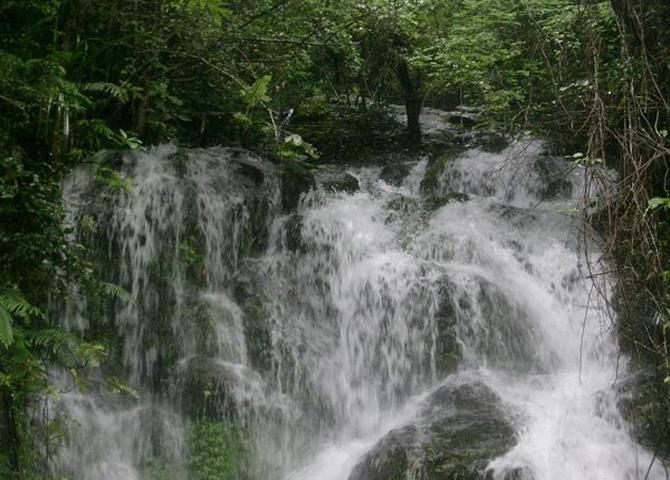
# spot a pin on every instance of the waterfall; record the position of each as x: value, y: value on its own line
x: 457, y: 322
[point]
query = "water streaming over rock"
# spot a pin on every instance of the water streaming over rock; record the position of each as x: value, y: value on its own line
x: 390, y: 332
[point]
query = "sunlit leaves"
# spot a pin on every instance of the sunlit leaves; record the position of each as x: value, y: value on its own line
x: 257, y: 92
x: 658, y: 203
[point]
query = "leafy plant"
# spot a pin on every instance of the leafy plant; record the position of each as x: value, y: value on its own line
x: 216, y: 451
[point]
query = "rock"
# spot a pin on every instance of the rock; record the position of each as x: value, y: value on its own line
x: 257, y: 334
x: 333, y: 180
x: 210, y: 387
x: 460, y: 429
x: 250, y: 166
x: 402, y: 204
x: 435, y: 121
x: 554, y: 173
x: 437, y: 201
x: 296, y: 179
x: 463, y: 119
x: 641, y: 402
x: 293, y: 234
x: 491, y: 142
x: 519, y: 473
x: 436, y: 168
x: 448, y: 350
x: 394, y: 173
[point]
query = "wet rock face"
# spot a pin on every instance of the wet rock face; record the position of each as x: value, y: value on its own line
x: 251, y: 167
x: 296, y: 179
x: 461, y: 428
x: 394, y: 173
x: 336, y: 180
x: 554, y: 173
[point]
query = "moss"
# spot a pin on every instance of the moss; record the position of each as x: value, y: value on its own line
x: 460, y: 430
x: 437, y: 165
x: 255, y: 326
x: 435, y: 202
x: 647, y: 409
x: 159, y: 468
x: 394, y: 173
x: 216, y: 451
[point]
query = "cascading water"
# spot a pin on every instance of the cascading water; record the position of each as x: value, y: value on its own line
x: 368, y: 335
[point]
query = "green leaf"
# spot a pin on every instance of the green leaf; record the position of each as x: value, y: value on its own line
x: 15, y: 305
x: 658, y: 202
x: 116, y: 291
x: 115, y: 91
x: 241, y: 119
x: 6, y: 331
x: 257, y: 92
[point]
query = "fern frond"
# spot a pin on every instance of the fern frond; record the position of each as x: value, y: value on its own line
x: 14, y: 303
x: 116, y: 291
x: 54, y: 339
x: 115, y: 91
x: 66, y: 346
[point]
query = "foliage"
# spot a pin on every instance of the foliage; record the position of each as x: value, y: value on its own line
x: 216, y: 451
x: 305, y: 80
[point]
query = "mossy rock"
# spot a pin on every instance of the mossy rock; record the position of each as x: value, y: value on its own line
x: 461, y: 428
x: 337, y: 180
x: 448, y: 353
x: 256, y: 330
x: 435, y: 202
x: 490, y: 141
x: 437, y: 165
x: 217, y: 450
x: 296, y: 180
x: 644, y: 404
x: 394, y: 173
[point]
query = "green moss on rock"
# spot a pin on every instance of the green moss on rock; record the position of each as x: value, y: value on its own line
x: 217, y: 450
x: 460, y: 429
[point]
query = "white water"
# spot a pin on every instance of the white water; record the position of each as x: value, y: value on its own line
x: 352, y: 306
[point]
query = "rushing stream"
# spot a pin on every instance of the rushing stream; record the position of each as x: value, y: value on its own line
x: 372, y: 334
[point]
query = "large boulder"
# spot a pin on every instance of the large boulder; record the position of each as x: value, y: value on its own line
x: 460, y: 429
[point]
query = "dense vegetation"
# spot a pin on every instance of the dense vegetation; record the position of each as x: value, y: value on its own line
x: 308, y: 80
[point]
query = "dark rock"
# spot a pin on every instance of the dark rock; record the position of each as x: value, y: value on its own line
x: 394, y: 173
x: 463, y: 119
x: 518, y: 474
x: 461, y: 428
x: 437, y: 201
x: 206, y: 386
x: 436, y: 168
x: 554, y: 173
x: 402, y: 204
x: 296, y: 179
x: 256, y: 329
x: 642, y: 402
x: 448, y: 354
x: 293, y: 234
x: 492, y: 142
x: 337, y: 181
x: 250, y: 166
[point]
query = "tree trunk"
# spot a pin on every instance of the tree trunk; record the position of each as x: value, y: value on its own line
x: 8, y: 444
x: 413, y: 101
